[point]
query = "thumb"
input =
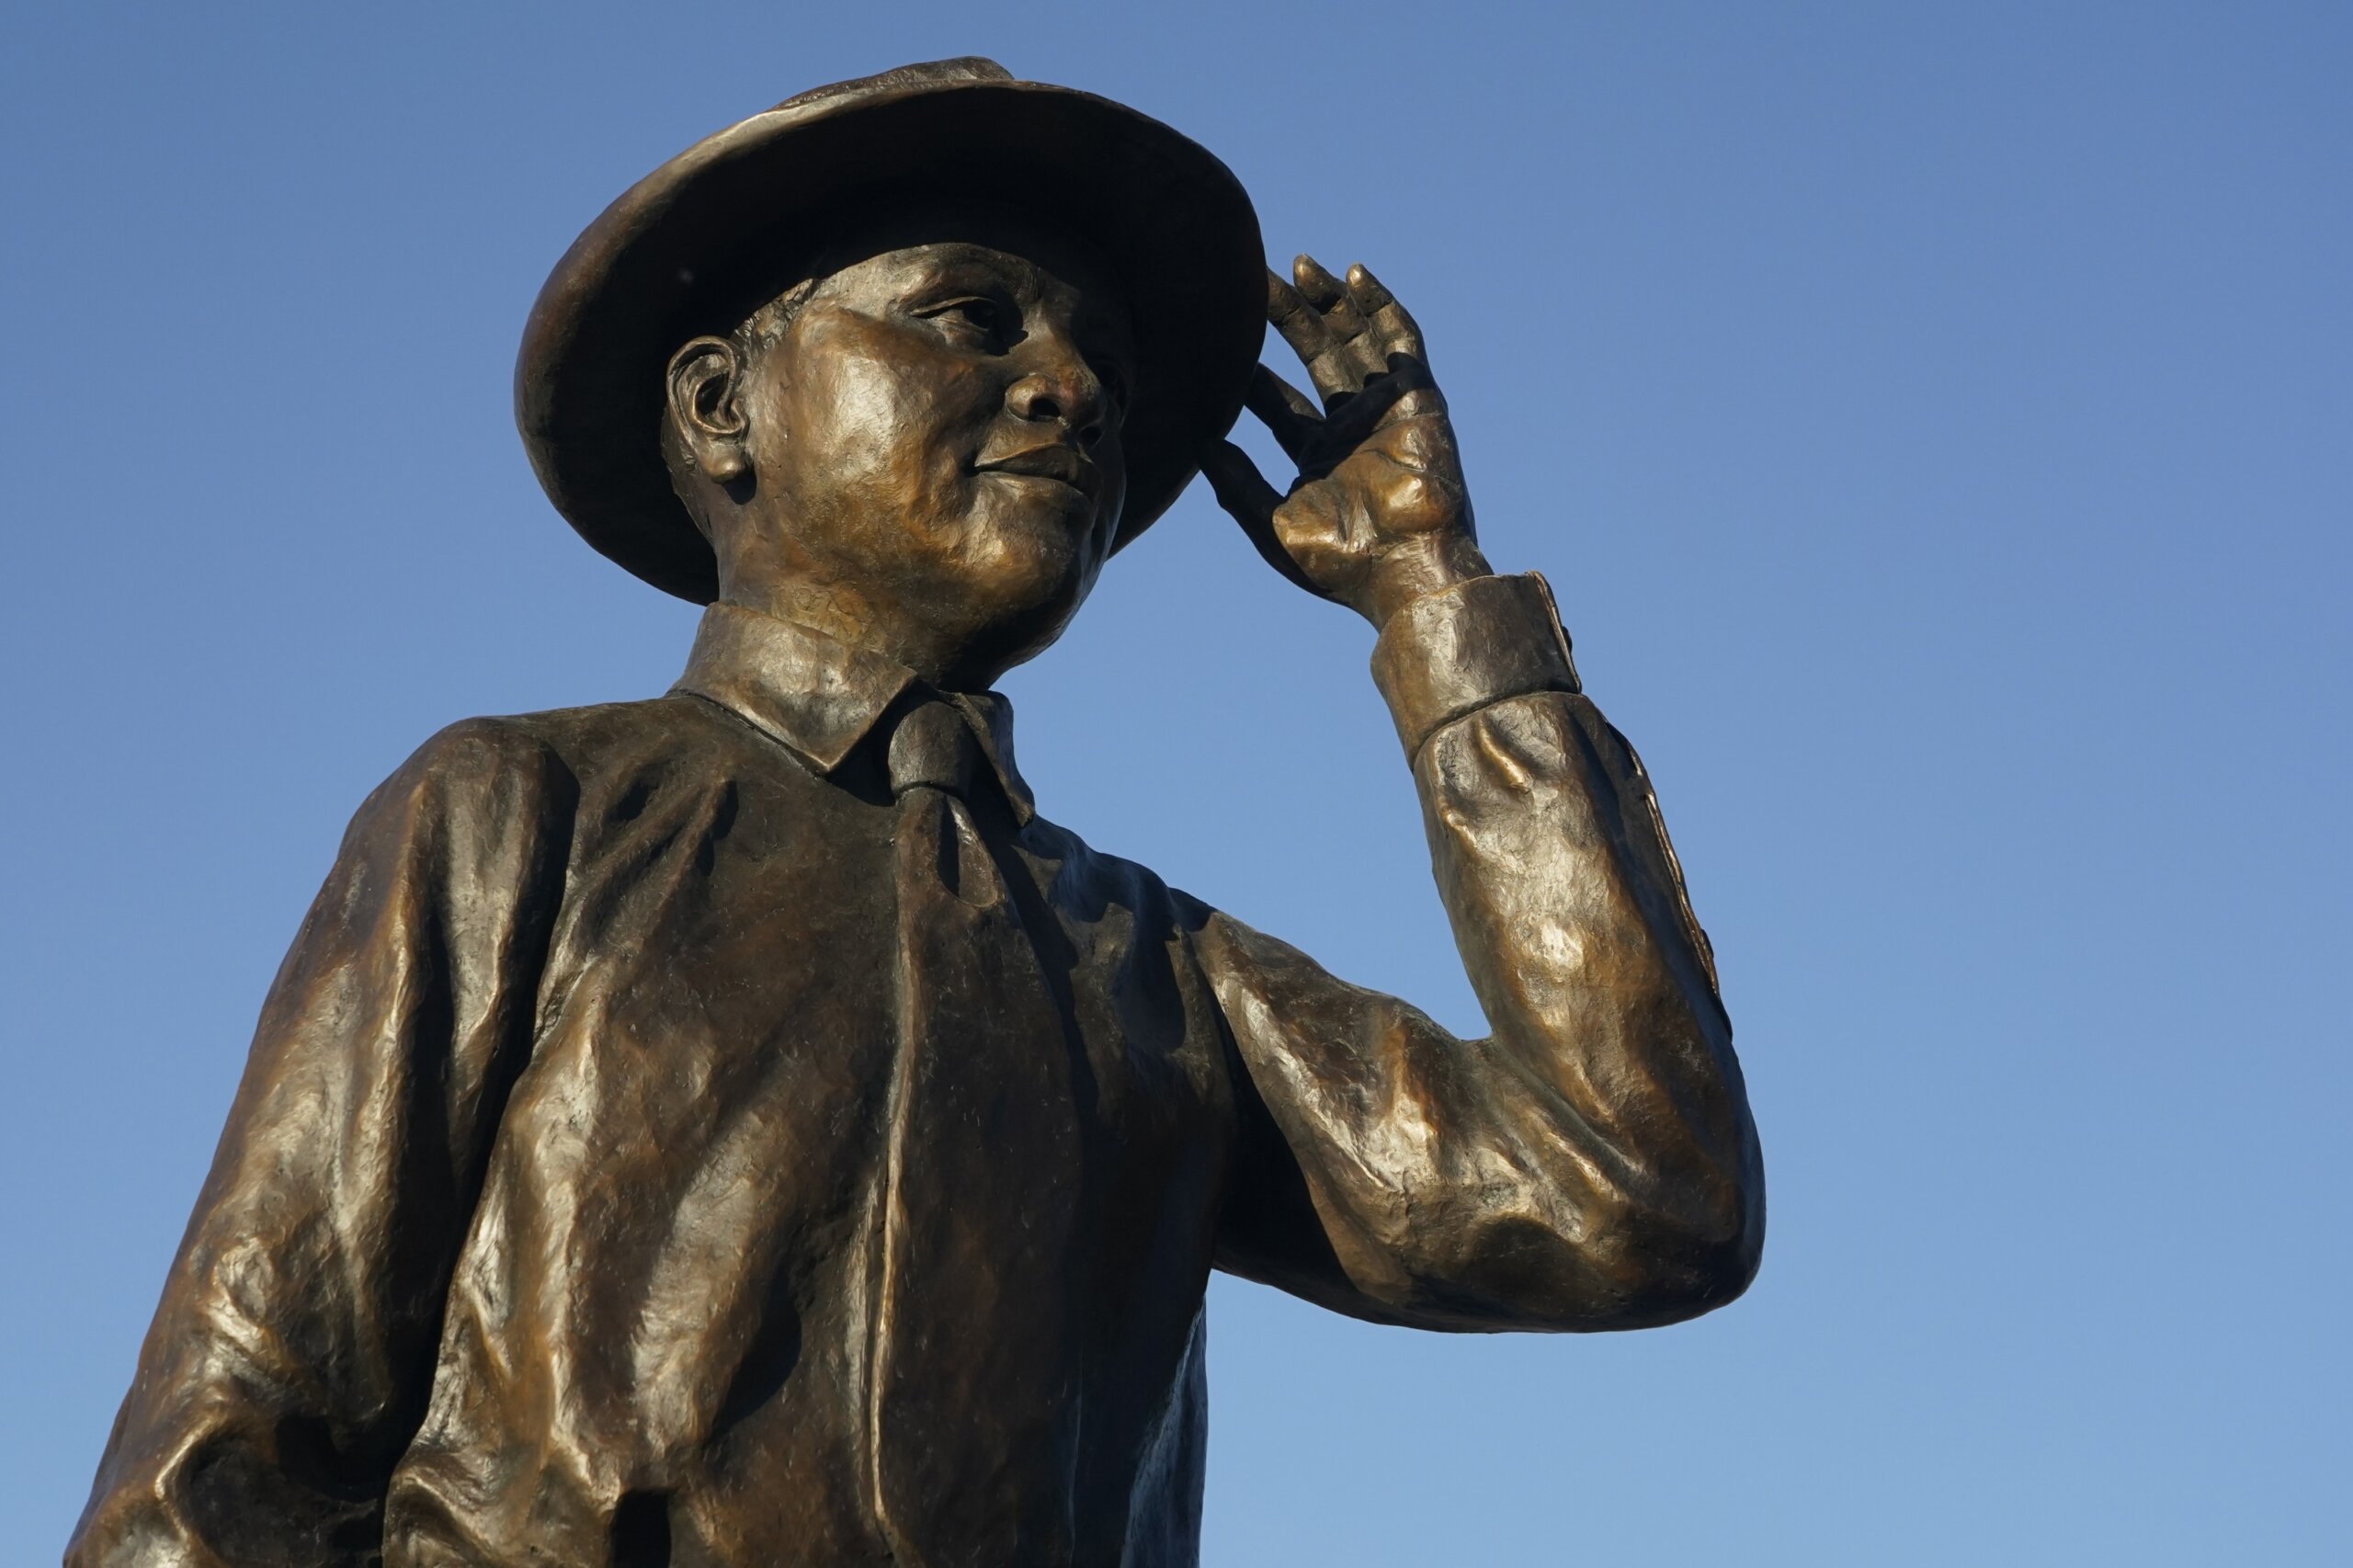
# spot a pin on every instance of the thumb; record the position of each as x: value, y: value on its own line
x: 1240, y: 488
x: 1247, y: 497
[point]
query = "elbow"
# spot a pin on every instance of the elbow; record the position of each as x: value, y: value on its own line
x: 1617, y: 1262
x: 1676, y: 1260
x: 1711, y: 1272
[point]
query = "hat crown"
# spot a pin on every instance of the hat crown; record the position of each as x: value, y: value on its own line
x: 923, y: 73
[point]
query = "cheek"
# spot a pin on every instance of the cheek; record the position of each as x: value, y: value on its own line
x: 1113, y: 456
x: 938, y: 418
x: 860, y: 430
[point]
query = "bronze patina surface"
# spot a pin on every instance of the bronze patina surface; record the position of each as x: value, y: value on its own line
x: 737, y: 1128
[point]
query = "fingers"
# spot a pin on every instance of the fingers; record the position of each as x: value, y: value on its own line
x: 1294, y: 403
x: 1394, y: 402
x: 1301, y: 324
x: 1391, y: 326
x: 1341, y: 369
x: 1371, y: 295
x: 1288, y: 412
x: 1313, y: 313
x: 1243, y: 491
x: 1323, y: 290
x: 1347, y: 335
x: 1240, y: 488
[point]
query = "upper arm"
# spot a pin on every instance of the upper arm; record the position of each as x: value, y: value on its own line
x: 1351, y: 1161
x: 292, y: 1345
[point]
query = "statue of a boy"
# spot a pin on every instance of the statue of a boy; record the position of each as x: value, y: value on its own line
x: 736, y: 1128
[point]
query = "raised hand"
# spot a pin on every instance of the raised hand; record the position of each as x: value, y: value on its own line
x: 1377, y: 516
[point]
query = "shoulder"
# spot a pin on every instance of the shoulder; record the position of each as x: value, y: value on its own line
x: 510, y: 765
x: 474, y: 777
x: 1090, y: 882
x: 506, y: 769
x: 1096, y: 886
x: 474, y: 751
x: 575, y: 743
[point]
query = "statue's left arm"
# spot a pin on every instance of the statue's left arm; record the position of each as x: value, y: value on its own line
x: 1591, y: 1163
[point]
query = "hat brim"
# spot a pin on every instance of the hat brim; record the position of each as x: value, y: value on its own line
x: 667, y: 261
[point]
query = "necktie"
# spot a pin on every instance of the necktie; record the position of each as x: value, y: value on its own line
x: 972, y: 1373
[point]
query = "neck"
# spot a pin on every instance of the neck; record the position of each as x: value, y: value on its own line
x: 860, y: 620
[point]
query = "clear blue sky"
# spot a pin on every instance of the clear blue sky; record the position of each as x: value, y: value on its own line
x: 1937, y: 420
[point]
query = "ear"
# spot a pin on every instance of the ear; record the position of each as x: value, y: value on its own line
x: 706, y: 391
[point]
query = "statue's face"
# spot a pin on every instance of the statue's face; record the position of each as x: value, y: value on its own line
x: 934, y: 443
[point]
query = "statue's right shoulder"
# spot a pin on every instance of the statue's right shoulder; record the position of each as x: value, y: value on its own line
x: 585, y: 741
x: 549, y: 761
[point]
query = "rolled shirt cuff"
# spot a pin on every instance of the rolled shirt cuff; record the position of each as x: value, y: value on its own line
x: 1454, y: 652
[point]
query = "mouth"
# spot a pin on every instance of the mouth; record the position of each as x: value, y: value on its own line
x: 1055, y: 463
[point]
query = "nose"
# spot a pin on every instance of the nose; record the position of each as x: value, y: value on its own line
x: 1064, y: 389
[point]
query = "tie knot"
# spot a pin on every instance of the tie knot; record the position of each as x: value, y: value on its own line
x: 933, y: 745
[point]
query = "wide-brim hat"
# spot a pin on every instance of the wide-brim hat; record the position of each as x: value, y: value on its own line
x: 673, y: 258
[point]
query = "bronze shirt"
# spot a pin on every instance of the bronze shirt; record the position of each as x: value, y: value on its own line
x: 543, y: 1228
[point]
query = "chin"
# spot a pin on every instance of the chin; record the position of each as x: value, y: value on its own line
x: 1020, y: 593
x: 1027, y: 558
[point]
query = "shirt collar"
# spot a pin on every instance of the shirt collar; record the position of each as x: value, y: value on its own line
x: 822, y: 696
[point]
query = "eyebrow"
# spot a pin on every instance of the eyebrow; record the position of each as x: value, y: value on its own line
x: 968, y: 257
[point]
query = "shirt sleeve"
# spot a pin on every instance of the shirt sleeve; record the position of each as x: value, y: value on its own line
x: 290, y: 1360
x: 1591, y: 1163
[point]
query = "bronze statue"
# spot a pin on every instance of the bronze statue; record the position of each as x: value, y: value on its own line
x: 736, y: 1128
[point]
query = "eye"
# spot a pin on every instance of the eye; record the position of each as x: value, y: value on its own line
x: 1114, y: 377
x: 974, y: 319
